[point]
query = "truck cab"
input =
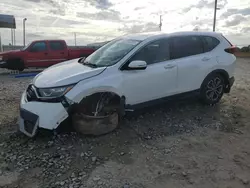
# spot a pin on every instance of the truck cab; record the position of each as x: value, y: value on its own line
x: 41, y: 54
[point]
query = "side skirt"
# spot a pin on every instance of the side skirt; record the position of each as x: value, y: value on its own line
x: 162, y: 100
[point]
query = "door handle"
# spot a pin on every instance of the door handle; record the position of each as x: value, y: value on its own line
x: 205, y: 58
x: 170, y: 66
x: 62, y: 53
x: 46, y: 53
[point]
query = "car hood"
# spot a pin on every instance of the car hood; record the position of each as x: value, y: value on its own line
x: 65, y: 73
x: 9, y: 52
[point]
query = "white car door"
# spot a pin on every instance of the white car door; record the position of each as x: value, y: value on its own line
x: 156, y: 81
x: 193, y: 64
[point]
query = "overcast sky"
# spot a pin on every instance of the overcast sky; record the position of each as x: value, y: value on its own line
x: 100, y: 20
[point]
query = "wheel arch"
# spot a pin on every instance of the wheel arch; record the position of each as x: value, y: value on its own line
x: 118, y: 98
x: 222, y: 73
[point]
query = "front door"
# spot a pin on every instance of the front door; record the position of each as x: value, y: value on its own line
x: 158, y: 80
x: 59, y: 52
x: 38, y: 55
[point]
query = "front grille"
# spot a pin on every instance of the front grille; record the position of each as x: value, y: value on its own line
x: 30, y: 120
x: 31, y: 94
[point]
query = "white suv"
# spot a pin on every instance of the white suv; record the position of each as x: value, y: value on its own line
x: 127, y: 73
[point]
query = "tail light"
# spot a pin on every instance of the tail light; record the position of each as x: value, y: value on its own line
x: 231, y: 50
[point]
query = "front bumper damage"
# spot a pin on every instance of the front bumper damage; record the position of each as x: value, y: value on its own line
x: 35, y: 114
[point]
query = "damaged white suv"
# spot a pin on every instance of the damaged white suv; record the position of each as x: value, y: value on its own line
x: 127, y: 73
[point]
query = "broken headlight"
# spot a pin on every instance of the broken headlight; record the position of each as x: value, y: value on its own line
x: 54, y: 92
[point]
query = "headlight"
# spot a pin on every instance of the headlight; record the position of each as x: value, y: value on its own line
x: 54, y: 92
x: 1, y: 58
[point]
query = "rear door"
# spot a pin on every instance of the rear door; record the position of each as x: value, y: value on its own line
x: 58, y: 52
x: 193, y: 62
x: 38, y: 55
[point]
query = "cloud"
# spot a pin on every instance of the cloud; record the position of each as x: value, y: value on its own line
x: 235, y: 20
x: 99, y: 20
x: 209, y: 4
x: 101, y: 4
x: 245, y: 30
x: 139, y: 8
x: 108, y: 15
x: 56, y: 7
x: 229, y: 12
x: 139, y: 27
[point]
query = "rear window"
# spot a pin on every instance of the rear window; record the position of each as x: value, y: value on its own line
x: 56, y: 45
x: 209, y: 43
x: 186, y: 46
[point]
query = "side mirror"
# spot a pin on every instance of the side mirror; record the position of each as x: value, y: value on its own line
x: 137, y: 65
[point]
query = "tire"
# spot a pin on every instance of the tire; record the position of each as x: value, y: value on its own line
x: 212, y: 89
x: 21, y: 69
x: 16, y: 64
x: 20, y: 65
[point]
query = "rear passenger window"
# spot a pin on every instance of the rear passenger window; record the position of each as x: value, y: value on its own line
x: 209, y: 43
x: 186, y: 46
x: 155, y: 52
x: 56, y: 45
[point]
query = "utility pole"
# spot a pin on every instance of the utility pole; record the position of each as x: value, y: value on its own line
x: 14, y: 32
x: 1, y: 47
x: 215, y: 10
x: 160, y: 25
x: 24, y: 20
x: 75, y: 38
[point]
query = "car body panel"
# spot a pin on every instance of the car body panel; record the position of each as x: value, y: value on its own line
x: 159, y: 80
x: 65, y: 74
x: 50, y: 114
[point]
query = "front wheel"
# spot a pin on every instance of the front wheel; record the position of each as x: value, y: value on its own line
x: 212, y: 89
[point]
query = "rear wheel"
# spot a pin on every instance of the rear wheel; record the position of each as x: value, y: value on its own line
x: 212, y: 89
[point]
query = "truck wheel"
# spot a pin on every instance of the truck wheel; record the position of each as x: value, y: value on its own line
x: 212, y: 89
x: 20, y: 65
x: 15, y: 64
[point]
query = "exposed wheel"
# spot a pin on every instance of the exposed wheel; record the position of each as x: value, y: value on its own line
x: 97, y: 114
x: 212, y: 89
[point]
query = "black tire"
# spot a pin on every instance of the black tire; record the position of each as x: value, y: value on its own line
x: 21, y: 69
x: 212, y: 89
x: 20, y: 65
x: 15, y: 64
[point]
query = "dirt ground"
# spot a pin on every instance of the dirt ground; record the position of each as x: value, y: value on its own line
x: 177, y: 144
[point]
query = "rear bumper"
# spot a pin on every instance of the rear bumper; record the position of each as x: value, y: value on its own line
x: 34, y: 115
x: 231, y: 81
x: 229, y: 85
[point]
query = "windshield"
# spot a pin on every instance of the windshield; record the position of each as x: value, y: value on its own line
x: 111, y: 53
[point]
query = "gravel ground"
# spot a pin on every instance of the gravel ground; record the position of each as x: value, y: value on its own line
x: 177, y: 144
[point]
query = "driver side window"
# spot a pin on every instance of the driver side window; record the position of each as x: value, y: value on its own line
x: 155, y: 52
x: 38, y: 47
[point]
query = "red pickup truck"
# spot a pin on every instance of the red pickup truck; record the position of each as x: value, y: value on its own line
x: 42, y: 53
